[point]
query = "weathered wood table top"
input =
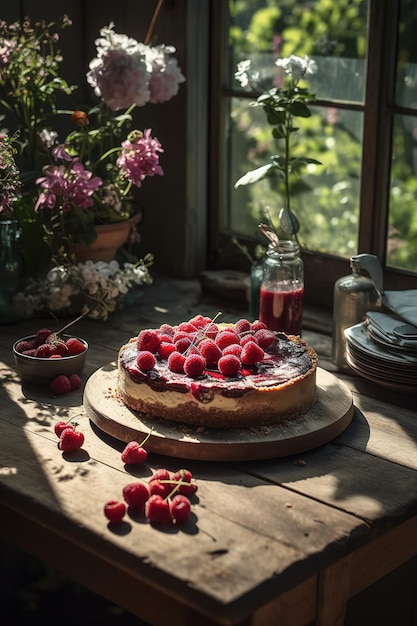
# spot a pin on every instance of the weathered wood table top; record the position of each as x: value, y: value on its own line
x: 320, y: 526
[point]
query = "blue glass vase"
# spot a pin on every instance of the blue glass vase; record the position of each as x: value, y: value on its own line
x: 12, y: 270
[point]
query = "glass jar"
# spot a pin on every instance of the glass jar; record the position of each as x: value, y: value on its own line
x: 256, y: 273
x: 282, y: 288
x: 12, y: 270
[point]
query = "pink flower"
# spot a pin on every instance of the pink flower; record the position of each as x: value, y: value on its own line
x: 139, y: 157
x: 67, y: 186
x: 60, y: 153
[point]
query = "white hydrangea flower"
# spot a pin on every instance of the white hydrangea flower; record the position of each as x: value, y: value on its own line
x: 120, y: 73
x: 166, y: 75
x: 296, y: 67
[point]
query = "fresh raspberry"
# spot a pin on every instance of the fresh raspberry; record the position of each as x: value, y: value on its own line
x: 61, y: 426
x: 183, y: 344
x: 71, y: 440
x: 257, y: 325
x: 186, y: 487
x: 264, y: 338
x: 194, y: 365
x: 145, y: 360
x: 200, y: 321
x: 167, y: 329
x: 75, y: 381
x: 136, y: 494
x: 187, y: 327
x: 242, y: 326
x: 157, y: 510
x: 251, y: 353
x: 161, y: 474
x: 181, y: 334
x: 210, y: 351
x: 60, y: 385
x: 229, y: 365
x: 165, y: 349
x: 211, y: 330
x: 246, y: 339
x: 60, y: 347
x: 234, y: 348
x: 44, y: 351
x: 164, y: 337
x: 134, y: 453
x: 115, y: 511
x: 157, y: 484
x: 148, y: 340
x: 180, y: 508
x: 176, y: 362
x: 160, y: 488
x: 226, y: 338
x: 24, y: 346
x: 75, y: 346
x: 30, y: 352
x: 42, y: 335
x: 183, y: 474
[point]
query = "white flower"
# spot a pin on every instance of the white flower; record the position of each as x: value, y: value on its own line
x: 120, y: 79
x: 166, y: 75
x: 127, y: 72
x: 48, y: 137
x: 120, y: 74
x: 297, y: 67
x: 102, y: 283
x: 245, y: 74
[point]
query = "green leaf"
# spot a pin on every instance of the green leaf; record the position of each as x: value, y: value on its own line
x: 299, y: 109
x: 253, y: 176
x: 288, y: 222
x: 278, y: 132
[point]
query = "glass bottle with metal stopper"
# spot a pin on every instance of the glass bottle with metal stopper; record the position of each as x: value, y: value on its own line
x: 354, y: 295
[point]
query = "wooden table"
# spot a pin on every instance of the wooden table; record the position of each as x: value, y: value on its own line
x: 284, y: 541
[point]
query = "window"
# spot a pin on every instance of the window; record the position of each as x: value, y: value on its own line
x: 363, y: 130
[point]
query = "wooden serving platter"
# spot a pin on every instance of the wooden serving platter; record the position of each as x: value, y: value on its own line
x: 329, y: 417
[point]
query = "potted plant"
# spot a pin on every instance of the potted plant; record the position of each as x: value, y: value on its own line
x: 75, y: 185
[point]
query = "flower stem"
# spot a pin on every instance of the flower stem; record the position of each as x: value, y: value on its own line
x: 153, y: 22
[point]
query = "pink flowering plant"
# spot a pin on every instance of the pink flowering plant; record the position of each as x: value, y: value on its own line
x: 92, y: 175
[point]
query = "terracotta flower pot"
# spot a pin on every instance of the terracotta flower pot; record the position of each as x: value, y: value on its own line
x: 110, y: 237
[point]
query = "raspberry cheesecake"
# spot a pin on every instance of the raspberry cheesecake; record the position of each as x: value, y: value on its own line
x: 212, y: 375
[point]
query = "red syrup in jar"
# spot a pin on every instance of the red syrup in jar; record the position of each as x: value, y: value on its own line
x: 282, y: 310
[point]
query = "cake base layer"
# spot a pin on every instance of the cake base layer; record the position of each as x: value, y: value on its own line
x: 330, y: 416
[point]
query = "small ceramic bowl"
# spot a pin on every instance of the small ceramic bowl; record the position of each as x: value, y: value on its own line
x: 42, y: 371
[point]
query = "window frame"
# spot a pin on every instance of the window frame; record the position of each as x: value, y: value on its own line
x: 379, y: 109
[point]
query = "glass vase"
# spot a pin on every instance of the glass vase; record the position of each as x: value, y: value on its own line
x: 282, y: 288
x: 12, y: 270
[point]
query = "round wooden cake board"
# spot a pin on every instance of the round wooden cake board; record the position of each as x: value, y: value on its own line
x: 329, y: 417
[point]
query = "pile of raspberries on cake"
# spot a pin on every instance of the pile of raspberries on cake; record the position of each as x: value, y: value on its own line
x: 200, y: 343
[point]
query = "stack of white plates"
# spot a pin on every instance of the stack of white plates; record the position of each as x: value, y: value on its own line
x: 391, y: 366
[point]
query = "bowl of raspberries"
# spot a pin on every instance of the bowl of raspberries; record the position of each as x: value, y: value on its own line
x: 42, y: 357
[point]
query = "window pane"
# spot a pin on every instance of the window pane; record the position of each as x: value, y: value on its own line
x: 406, y: 83
x: 332, y: 33
x: 325, y: 199
x: 402, y: 233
